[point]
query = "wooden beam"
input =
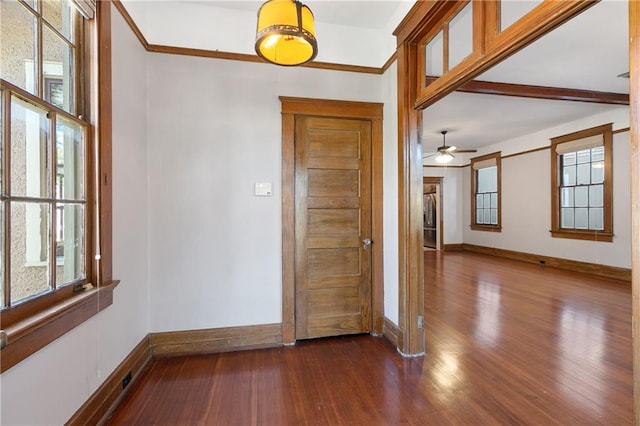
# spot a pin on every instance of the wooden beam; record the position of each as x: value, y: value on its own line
x: 539, y: 92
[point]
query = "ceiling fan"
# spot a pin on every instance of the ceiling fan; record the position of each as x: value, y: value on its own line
x: 445, y: 152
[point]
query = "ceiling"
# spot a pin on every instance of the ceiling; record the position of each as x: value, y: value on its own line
x: 587, y: 53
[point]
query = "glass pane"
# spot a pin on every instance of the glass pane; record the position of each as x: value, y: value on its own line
x: 566, y: 197
x: 596, y: 218
x: 494, y: 216
x: 487, y: 179
x: 569, y: 176
x: 584, y: 156
x: 29, y: 250
x: 461, y: 36
x: 479, y: 216
x: 582, y: 218
x: 582, y: 196
x: 487, y: 201
x: 487, y: 216
x: 433, y: 55
x: 57, y: 69
x: 70, y: 254
x: 29, y: 153
x: 58, y: 14
x: 480, y: 201
x: 596, y: 196
x: 511, y: 11
x: 566, y: 218
x: 494, y: 200
x: 2, y: 93
x: 18, y: 29
x: 569, y: 159
x: 70, y: 155
x: 597, y: 154
x: 597, y: 172
x: 584, y: 174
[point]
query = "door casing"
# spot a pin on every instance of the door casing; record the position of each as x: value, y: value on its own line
x: 290, y: 107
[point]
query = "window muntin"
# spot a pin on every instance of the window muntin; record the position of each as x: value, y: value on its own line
x: 485, y: 193
x: 43, y: 153
x: 582, y: 185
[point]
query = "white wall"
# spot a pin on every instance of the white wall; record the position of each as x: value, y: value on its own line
x: 215, y: 251
x: 526, y: 198
x: 49, y: 386
x: 390, y: 192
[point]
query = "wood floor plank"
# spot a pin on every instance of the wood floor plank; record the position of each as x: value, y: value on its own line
x: 507, y: 343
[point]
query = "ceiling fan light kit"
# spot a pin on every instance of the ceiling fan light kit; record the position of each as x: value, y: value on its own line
x: 286, y: 33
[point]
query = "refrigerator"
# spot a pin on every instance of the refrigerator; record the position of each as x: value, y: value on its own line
x: 430, y: 220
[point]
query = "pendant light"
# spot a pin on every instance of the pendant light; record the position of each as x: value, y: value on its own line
x: 286, y: 34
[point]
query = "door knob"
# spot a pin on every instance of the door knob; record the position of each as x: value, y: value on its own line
x: 366, y: 243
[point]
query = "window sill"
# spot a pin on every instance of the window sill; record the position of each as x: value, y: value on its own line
x: 26, y: 337
x: 605, y: 237
x: 487, y: 228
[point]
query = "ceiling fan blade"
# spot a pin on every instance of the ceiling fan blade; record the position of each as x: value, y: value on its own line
x: 462, y: 151
x: 429, y: 155
x: 450, y: 148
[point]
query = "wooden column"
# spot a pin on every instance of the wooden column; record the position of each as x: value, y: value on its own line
x: 634, y: 111
x: 411, y: 266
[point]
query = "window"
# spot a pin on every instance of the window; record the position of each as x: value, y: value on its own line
x: 47, y: 173
x: 582, y: 185
x: 485, y: 193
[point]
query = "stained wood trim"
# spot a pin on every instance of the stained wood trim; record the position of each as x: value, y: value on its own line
x: 453, y: 247
x: 191, y: 342
x: 613, y: 272
x: 132, y: 24
x: 29, y: 336
x: 539, y: 92
x: 439, y: 166
x: 392, y: 333
x: 291, y: 107
x: 542, y: 19
x: 110, y: 393
x: 530, y: 151
x: 483, y: 227
x: 623, y: 130
x: 410, y: 232
x: 634, y: 155
x: 389, y: 62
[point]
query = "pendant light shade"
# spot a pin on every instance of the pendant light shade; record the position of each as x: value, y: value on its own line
x: 286, y: 34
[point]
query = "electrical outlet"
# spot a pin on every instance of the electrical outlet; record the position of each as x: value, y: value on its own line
x: 126, y: 380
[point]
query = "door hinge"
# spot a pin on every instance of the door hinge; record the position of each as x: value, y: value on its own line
x: 420, y: 321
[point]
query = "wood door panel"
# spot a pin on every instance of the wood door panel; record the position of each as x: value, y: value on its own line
x: 331, y: 262
x: 335, y: 326
x: 333, y: 222
x: 333, y: 183
x: 324, y: 144
x: 334, y: 301
x: 332, y: 218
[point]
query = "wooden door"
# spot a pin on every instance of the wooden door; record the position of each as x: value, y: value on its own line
x: 332, y: 225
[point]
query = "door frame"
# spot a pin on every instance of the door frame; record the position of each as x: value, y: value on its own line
x: 290, y: 107
x: 434, y: 180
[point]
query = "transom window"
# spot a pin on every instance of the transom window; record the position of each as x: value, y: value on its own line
x: 582, y: 198
x: 485, y: 197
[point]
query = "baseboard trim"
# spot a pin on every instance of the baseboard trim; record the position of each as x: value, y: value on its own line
x: 621, y: 274
x: 450, y: 247
x: 393, y: 334
x: 193, y: 342
x: 106, y: 398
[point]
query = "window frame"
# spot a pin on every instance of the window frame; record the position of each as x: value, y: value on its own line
x: 33, y: 324
x: 605, y: 235
x: 496, y: 156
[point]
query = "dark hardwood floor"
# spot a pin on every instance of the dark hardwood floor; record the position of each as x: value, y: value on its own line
x: 508, y: 343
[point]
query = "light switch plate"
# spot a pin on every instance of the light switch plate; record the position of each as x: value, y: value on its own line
x: 262, y: 189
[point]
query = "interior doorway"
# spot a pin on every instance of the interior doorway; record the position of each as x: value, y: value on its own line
x: 433, y: 223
